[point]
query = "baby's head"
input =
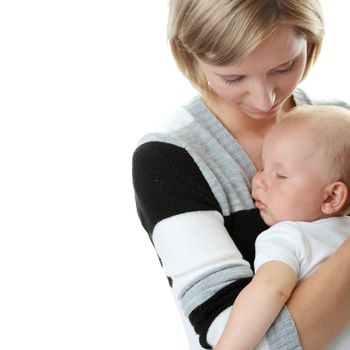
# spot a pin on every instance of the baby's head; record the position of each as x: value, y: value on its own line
x: 306, y: 166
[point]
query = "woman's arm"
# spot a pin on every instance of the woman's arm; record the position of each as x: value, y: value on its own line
x: 320, y: 304
x: 177, y: 208
x: 257, y: 306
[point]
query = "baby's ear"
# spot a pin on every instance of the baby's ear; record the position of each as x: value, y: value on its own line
x: 335, y: 196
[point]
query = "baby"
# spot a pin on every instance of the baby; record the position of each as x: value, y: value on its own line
x: 302, y: 192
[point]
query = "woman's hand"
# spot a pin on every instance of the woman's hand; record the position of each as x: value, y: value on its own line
x: 320, y: 304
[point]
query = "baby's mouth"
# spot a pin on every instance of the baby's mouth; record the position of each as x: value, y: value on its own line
x: 259, y: 204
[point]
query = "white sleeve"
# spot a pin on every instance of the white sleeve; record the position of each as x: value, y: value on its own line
x: 282, y: 242
x: 205, y: 267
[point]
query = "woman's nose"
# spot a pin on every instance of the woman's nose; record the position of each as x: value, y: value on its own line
x: 263, y: 96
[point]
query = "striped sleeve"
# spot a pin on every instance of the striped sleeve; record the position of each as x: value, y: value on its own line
x: 167, y: 182
x: 185, y: 223
x: 179, y: 211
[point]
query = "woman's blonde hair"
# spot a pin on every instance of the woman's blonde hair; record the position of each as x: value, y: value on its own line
x: 328, y: 128
x: 231, y: 29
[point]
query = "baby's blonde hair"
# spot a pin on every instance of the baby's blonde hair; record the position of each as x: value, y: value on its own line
x: 229, y: 30
x: 329, y: 128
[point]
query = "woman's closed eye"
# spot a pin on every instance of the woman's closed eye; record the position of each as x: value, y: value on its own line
x: 234, y: 81
x: 287, y: 69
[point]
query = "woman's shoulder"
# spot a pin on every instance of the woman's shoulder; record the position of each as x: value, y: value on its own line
x: 187, y: 126
x: 193, y: 130
x: 164, y: 144
x: 301, y: 97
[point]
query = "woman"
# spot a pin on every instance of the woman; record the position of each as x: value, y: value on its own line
x: 193, y: 181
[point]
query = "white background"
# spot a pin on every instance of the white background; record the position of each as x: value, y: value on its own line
x: 80, y: 82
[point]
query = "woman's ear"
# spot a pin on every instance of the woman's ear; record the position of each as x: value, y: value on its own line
x: 335, y: 196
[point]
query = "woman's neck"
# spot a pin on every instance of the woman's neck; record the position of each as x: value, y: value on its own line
x: 248, y: 132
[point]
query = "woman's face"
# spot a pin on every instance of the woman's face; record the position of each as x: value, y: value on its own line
x: 261, y: 83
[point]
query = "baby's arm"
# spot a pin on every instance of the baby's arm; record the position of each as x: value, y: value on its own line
x: 257, y: 306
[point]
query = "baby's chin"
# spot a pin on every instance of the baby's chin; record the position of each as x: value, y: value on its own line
x: 269, y: 221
